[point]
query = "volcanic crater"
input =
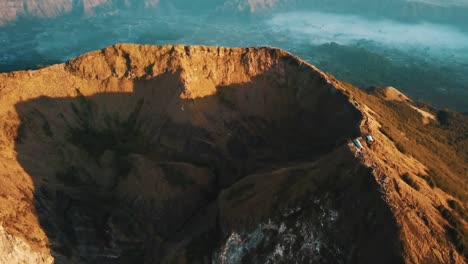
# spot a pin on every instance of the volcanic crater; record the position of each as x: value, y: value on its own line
x: 159, y: 154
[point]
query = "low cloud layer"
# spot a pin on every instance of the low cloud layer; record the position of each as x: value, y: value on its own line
x: 319, y: 28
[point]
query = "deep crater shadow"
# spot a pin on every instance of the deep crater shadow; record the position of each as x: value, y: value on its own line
x: 125, y: 177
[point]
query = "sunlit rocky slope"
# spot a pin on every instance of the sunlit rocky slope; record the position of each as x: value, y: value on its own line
x: 178, y: 154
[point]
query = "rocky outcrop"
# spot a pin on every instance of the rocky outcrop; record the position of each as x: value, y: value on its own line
x: 179, y: 154
x: 16, y: 251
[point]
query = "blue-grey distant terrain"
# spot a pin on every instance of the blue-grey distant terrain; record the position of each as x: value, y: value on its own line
x: 419, y: 46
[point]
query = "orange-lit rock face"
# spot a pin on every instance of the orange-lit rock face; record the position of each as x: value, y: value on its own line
x: 237, y: 105
x: 136, y: 154
x: 155, y: 132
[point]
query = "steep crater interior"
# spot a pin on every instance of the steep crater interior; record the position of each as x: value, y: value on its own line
x: 131, y: 166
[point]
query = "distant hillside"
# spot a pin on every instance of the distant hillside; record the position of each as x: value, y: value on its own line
x: 450, y: 12
x: 18, y: 9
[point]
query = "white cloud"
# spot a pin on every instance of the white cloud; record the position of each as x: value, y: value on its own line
x: 318, y: 28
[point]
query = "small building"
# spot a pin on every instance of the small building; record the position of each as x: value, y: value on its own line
x: 369, y: 138
x: 357, y: 143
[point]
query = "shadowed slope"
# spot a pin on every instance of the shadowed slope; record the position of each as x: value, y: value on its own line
x: 175, y: 154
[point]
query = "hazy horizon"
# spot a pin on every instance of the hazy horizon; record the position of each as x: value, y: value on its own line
x: 430, y: 59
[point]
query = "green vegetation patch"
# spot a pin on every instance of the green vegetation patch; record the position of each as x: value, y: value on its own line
x: 121, y: 136
x: 401, y: 148
x: 45, y: 123
x: 430, y: 180
x: 455, y: 206
x: 238, y: 191
x: 74, y: 175
x: 456, y: 231
x: 224, y: 98
x: 177, y: 177
x: 410, y: 181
